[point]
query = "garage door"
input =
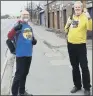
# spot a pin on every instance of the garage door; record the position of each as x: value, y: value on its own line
x: 42, y: 19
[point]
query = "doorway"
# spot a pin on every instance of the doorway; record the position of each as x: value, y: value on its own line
x: 58, y: 20
x: 64, y: 17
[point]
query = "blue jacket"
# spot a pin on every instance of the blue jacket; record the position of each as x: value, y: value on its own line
x: 24, y: 45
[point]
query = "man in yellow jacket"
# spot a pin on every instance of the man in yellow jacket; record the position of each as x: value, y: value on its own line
x: 76, y: 43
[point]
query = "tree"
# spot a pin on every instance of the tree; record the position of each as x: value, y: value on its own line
x: 5, y: 16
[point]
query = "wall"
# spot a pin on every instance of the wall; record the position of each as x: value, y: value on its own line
x: 64, y: 13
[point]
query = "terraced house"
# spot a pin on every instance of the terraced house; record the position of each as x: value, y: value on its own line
x: 57, y: 12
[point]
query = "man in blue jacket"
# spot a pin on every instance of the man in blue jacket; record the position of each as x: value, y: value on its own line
x: 23, y: 34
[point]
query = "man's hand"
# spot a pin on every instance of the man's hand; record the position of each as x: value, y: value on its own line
x: 87, y: 14
x: 34, y: 41
x: 69, y: 21
x: 18, y: 26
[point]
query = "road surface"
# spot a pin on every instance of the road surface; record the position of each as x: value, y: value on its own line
x: 50, y: 72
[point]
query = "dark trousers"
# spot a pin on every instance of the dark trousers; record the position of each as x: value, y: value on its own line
x: 78, y: 55
x: 22, y: 69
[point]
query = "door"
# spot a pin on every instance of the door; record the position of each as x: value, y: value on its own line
x: 53, y: 20
x: 58, y: 20
x: 89, y: 34
x: 42, y: 19
x: 64, y: 17
x: 48, y: 20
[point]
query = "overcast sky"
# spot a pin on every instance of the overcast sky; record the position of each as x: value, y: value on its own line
x: 13, y: 7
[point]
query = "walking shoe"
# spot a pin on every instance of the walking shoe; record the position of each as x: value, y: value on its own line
x: 87, y: 92
x: 75, y: 89
x: 25, y: 94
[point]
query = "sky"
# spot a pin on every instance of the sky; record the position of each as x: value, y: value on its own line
x: 13, y: 7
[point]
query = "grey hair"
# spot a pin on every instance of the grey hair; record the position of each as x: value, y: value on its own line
x: 78, y: 2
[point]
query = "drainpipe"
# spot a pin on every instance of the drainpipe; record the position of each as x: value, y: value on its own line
x: 47, y: 14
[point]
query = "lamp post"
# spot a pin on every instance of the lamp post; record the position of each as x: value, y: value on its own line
x: 84, y: 3
x: 27, y: 5
x: 31, y: 10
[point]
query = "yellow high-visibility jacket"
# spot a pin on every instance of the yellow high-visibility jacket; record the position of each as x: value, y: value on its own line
x: 78, y: 35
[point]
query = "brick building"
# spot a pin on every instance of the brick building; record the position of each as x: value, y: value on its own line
x: 57, y: 13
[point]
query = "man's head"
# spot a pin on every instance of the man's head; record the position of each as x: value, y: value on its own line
x: 25, y: 15
x: 78, y: 8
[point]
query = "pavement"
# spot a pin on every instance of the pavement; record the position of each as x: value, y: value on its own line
x: 6, y: 79
x: 7, y: 59
x: 50, y: 72
x: 6, y: 24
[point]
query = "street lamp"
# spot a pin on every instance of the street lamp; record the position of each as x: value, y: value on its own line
x: 84, y: 3
x: 31, y: 10
x: 27, y: 5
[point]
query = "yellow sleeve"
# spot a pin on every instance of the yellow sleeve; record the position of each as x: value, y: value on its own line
x: 89, y: 25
